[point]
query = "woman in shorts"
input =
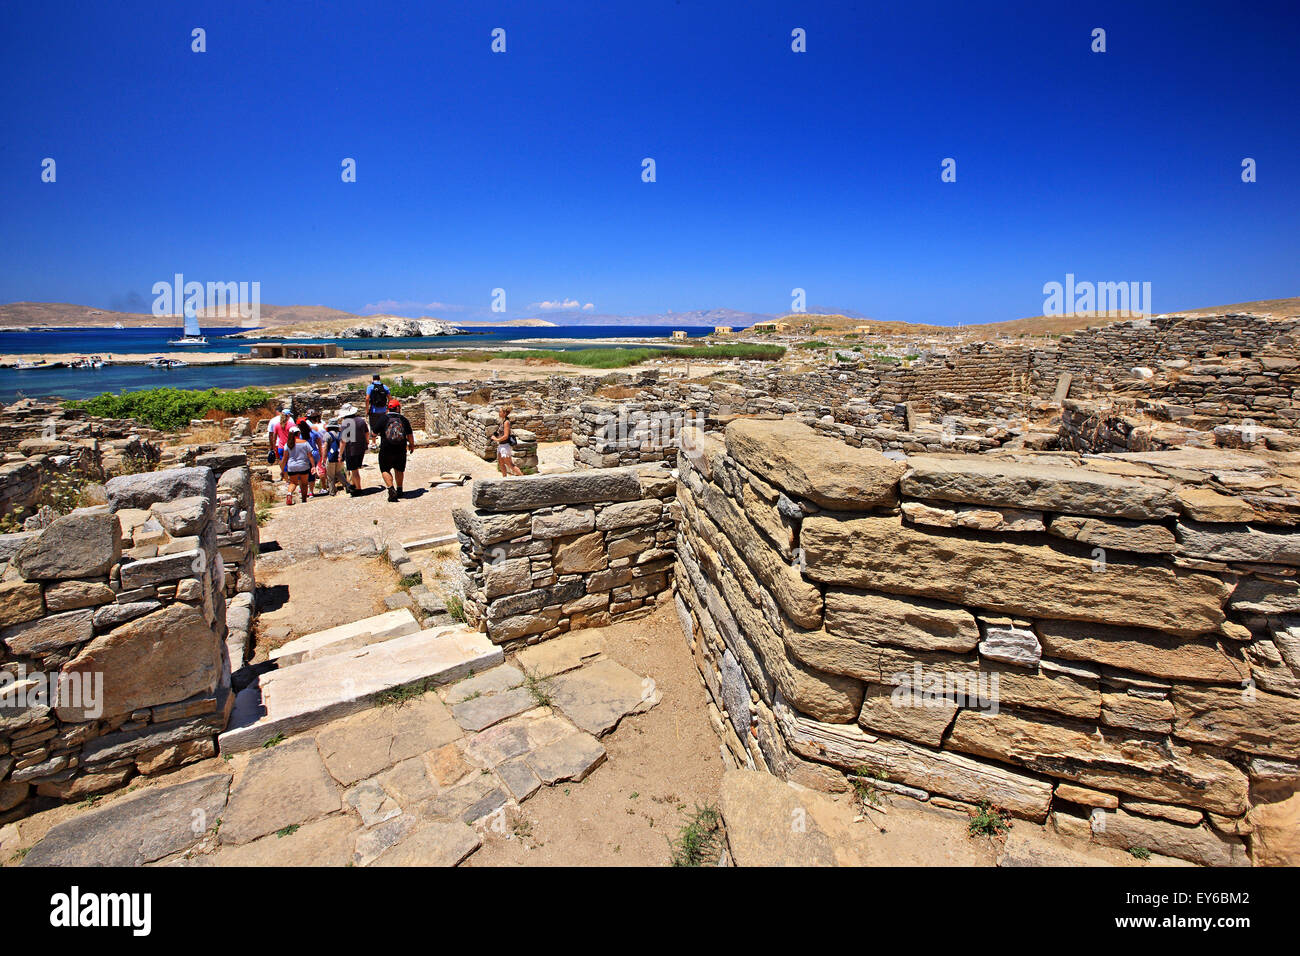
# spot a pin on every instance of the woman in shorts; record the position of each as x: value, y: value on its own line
x: 505, y: 446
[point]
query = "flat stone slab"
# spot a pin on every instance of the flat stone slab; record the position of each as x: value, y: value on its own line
x: 433, y: 844
x: 372, y: 803
x: 561, y: 654
x: 598, y: 696
x: 438, y: 541
x: 519, y: 779
x: 368, y: 630
x: 569, y: 758
x: 516, y: 737
x: 478, y: 713
x: 316, y: 691
x: 759, y: 810
x: 135, y: 830
x: 324, y: 842
x: 492, y: 681
x: 367, y: 743
x: 374, y: 842
x: 281, y: 786
x: 478, y: 797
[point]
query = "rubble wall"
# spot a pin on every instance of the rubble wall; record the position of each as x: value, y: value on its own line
x: 113, y: 625
x: 1088, y: 641
x: 546, y: 554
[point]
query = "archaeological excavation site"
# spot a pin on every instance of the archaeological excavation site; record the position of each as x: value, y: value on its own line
x: 1002, y: 603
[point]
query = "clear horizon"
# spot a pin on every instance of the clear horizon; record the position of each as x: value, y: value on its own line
x: 775, y: 170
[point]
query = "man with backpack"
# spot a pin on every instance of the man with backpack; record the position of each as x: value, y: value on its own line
x: 396, y: 440
x: 355, y: 435
x: 377, y: 397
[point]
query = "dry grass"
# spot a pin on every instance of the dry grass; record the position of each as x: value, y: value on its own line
x: 213, y: 434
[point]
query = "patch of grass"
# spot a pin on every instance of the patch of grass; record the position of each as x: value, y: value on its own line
x: 863, y: 780
x: 290, y: 830
x: 474, y: 696
x: 988, y: 821
x: 456, y: 607
x: 404, y: 695
x: 699, y: 841
x: 537, y: 687
x: 90, y: 801
x: 409, y: 581
x: 815, y: 344
x: 1140, y: 852
x: 171, y: 409
x: 20, y: 854
x: 274, y: 741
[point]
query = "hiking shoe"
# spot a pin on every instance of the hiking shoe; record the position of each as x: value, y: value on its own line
x: 392, y: 494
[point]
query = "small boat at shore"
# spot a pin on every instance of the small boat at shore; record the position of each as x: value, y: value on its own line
x: 161, y: 362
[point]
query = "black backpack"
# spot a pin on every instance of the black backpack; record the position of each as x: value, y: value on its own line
x: 379, y: 397
x: 394, y: 429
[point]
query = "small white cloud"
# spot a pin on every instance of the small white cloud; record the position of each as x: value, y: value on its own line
x: 588, y: 307
x: 551, y: 306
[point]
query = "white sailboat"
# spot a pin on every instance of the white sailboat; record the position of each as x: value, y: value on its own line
x: 193, y: 335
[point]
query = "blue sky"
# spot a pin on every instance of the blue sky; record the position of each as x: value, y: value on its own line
x: 775, y: 170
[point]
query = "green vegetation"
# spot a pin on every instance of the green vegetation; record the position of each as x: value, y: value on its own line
x: 456, y: 607
x: 814, y: 344
x: 537, y: 687
x: 277, y: 739
x: 1140, y: 852
x: 290, y: 830
x: 170, y: 409
x: 864, y: 780
x: 405, y: 694
x: 988, y: 821
x: 699, y: 841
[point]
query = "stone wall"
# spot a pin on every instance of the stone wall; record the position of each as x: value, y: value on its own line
x: 1111, y: 643
x: 112, y: 639
x: 549, y: 553
x: 609, y: 434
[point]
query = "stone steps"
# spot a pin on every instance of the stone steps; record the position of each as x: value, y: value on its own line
x: 368, y: 630
x: 314, y: 691
x: 437, y: 541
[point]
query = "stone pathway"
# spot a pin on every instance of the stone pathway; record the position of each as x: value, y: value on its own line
x: 415, y: 781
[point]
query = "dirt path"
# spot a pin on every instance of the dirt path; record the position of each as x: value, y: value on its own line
x: 424, y: 512
x: 661, y: 765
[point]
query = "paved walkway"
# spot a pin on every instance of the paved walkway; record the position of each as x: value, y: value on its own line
x: 417, y: 781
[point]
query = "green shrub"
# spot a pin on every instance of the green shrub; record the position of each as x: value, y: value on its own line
x: 170, y: 409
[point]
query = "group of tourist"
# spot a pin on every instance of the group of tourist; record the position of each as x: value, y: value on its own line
x: 311, y: 450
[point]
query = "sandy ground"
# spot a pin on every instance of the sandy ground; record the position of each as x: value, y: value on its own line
x: 661, y: 765
x: 319, y: 593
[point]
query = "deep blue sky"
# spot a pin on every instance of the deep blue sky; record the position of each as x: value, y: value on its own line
x: 775, y: 169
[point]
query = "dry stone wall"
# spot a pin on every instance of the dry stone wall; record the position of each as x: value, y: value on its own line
x: 609, y: 434
x: 113, y: 623
x: 1111, y: 643
x: 549, y: 553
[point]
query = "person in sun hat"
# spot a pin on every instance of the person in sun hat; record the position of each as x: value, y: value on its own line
x: 396, y: 440
x: 354, y: 433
